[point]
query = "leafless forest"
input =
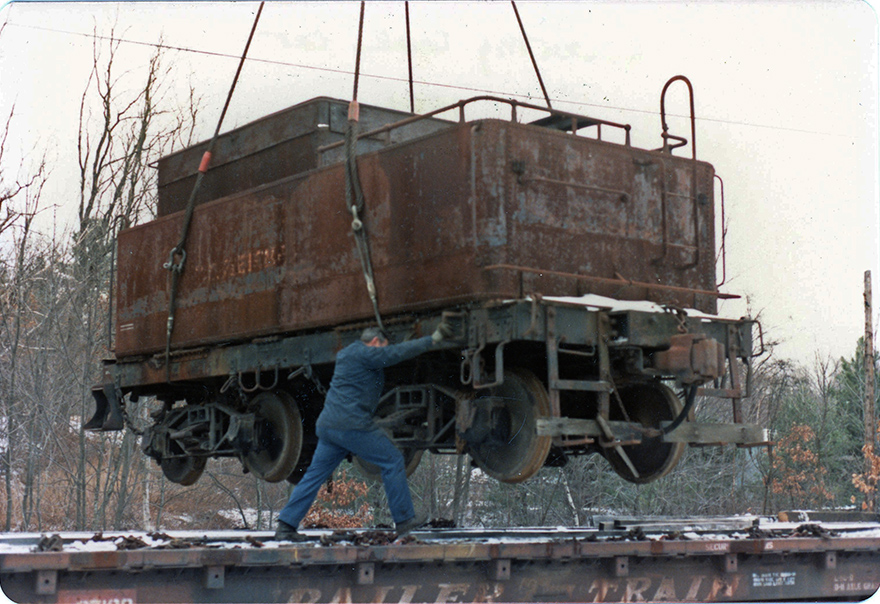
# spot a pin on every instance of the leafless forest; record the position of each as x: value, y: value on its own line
x: 56, y: 286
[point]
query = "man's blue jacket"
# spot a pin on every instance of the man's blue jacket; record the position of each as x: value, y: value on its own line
x: 358, y: 382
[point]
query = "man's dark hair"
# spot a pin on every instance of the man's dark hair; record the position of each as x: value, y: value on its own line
x: 372, y: 332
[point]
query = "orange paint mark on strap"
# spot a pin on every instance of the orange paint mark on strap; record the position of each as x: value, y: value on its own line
x: 206, y: 159
x: 354, y: 111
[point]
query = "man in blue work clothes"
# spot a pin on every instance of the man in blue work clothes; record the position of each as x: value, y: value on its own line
x: 346, y: 425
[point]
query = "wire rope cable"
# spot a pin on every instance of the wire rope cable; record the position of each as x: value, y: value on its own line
x: 531, y: 54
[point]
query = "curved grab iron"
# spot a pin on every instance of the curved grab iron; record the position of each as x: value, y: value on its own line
x: 666, y: 136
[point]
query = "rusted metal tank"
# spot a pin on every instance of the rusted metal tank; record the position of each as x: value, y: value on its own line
x: 273, y: 147
x: 461, y: 213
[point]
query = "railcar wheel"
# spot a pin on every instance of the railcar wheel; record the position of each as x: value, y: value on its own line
x: 510, y: 450
x: 184, y: 471
x: 647, y: 404
x: 278, y: 434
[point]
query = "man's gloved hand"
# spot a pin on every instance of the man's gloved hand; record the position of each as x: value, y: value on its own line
x: 442, y: 332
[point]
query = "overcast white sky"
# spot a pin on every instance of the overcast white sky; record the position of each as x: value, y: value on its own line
x: 785, y: 93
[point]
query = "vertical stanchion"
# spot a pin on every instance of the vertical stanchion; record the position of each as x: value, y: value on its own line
x: 870, y: 414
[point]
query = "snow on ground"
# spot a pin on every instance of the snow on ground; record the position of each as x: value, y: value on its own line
x: 615, y: 305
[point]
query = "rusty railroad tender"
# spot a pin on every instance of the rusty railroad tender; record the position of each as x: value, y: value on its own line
x: 579, y: 275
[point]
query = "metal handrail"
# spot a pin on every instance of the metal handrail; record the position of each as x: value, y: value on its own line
x: 667, y: 148
x: 460, y: 105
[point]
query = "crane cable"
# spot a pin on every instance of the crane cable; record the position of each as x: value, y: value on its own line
x: 412, y: 102
x: 531, y: 54
x: 177, y: 257
x: 354, y: 195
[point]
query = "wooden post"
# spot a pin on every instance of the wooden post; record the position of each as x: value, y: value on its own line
x: 870, y: 419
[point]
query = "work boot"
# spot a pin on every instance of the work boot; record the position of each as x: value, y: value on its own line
x: 285, y: 532
x: 403, y: 528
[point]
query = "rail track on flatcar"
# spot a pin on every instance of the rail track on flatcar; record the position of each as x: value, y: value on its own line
x: 613, y: 559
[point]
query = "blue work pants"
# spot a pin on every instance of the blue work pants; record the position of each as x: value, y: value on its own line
x: 372, y: 446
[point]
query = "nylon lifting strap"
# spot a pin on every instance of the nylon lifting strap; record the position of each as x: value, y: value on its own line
x: 354, y: 195
x: 177, y: 257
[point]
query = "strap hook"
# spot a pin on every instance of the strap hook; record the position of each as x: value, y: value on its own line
x: 171, y: 265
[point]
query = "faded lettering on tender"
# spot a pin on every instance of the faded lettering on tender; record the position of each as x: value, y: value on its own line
x: 241, y: 264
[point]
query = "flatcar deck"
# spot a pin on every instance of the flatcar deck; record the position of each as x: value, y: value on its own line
x: 743, y: 559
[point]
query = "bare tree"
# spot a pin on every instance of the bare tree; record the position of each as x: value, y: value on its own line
x: 54, y: 302
x: 20, y: 205
x: 122, y: 128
